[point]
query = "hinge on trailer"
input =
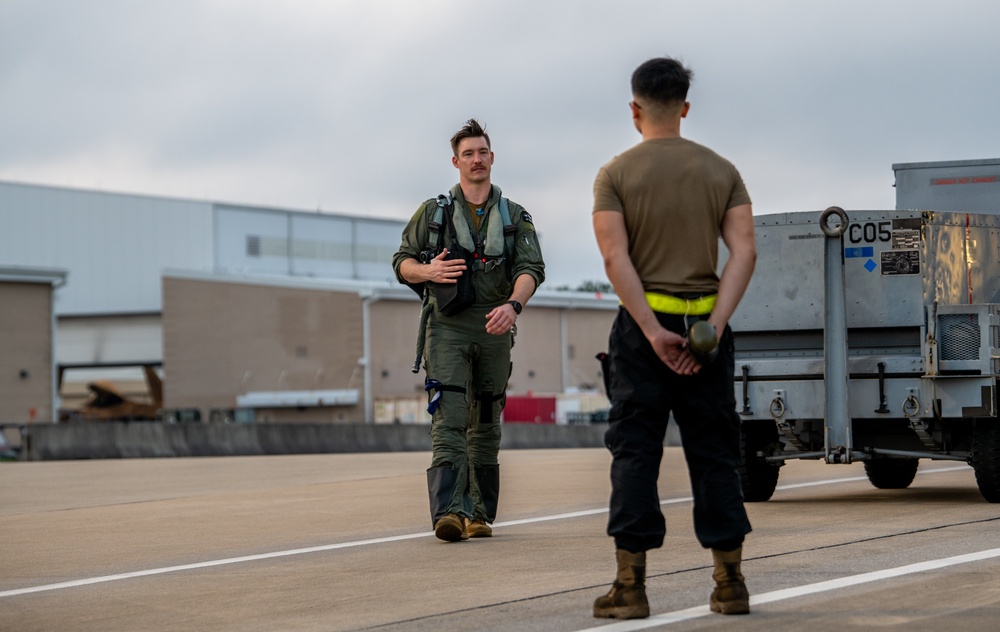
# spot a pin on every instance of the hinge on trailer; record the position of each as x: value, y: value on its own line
x: 911, y: 406
x: 786, y: 428
x: 919, y: 426
x: 746, y: 391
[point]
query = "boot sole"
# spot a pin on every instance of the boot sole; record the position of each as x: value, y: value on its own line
x: 450, y: 533
x: 622, y: 613
x: 730, y: 608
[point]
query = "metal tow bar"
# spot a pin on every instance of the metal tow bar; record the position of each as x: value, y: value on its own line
x: 837, y: 429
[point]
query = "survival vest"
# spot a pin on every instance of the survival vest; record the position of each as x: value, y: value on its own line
x: 453, y: 298
x: 440, y: 223
x: 445, y: 203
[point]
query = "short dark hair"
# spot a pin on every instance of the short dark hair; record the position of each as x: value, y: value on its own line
x: 471, y: 129
x: 663, y: 80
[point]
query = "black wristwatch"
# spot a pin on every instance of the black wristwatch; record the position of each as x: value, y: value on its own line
x: 517, y: 306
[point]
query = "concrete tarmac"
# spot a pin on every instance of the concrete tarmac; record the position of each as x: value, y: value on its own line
x: 343, y: 542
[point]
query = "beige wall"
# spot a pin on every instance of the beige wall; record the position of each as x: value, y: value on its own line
x: 537, y: 352
x: 26, y: 383
x: 394, y: 342
x: 587, y: 335
x: 222, y: 339
x: 537, y: 355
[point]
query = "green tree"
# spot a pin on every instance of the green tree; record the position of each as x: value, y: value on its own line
x: 589, y: 286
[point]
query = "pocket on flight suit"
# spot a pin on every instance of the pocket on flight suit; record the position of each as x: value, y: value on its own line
x: 494, y: 285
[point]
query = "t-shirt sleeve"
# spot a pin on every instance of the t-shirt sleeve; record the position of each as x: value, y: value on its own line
x: 606, y: 193
x: 739, y: 195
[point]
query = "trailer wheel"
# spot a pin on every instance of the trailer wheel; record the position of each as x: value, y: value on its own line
x: 757, y: 477
x: 986, y: 458
x: 891, y: 473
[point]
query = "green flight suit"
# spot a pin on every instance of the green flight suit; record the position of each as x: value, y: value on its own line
x: 471, y: 365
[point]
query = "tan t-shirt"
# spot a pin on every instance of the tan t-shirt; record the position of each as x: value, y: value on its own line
x: 674, y: 194
x: 475, y: 219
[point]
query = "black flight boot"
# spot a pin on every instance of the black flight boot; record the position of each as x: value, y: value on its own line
x: 488, y: 482
x: 441, y: 482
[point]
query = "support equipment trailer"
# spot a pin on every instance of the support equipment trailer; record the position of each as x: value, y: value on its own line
x: 874, y: 336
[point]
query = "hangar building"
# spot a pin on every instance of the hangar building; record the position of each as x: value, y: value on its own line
x: 267, y: 313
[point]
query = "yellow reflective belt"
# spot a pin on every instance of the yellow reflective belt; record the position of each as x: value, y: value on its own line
x: 666, y: 304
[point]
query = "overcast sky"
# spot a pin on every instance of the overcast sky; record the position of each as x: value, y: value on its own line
x: 347, y: 106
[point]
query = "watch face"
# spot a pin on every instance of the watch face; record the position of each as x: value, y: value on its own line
x: 516, y: 305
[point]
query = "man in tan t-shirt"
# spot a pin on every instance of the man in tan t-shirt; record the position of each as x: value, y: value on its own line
x: 660, y: 209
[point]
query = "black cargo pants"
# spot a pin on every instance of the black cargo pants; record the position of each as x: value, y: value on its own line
x: 643, y: 392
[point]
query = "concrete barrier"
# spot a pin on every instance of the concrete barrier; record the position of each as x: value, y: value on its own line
x: 139, y: 439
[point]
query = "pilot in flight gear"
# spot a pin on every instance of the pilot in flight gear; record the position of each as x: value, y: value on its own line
x: 467, y: 331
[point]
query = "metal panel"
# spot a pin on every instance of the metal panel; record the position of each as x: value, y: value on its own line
x: 965, y: 337
x: 113, y: 245
x: 274, y: 241
x: 375, y: 242
x: 322, y: 246
x: 786, y: 291
x: 883, y: 261
x: 958, y: 185
x: 805, y: 399
x: 110, y: 340
x: 956, y: 397
x: 251, y: 240
x: 963, y: 258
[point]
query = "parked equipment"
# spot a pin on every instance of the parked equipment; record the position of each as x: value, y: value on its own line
x: 871, y: 336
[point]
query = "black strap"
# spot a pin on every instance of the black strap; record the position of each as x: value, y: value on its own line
x: 487, y: 398
x: 449, y: 223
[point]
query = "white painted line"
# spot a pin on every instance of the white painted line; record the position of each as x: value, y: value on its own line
x: 580, y: 514
x: 851, y: 479
x: 565, y: 516
x: 791, y: 593
x: 346, y: 545
x: 230, y: 560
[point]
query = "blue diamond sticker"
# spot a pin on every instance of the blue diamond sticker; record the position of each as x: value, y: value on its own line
x: 870, y: 265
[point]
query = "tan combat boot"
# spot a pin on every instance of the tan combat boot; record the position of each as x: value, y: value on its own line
x: 450, y: 528
x: 627, y: 597
x: 478, y: 528
x: 730, y: 595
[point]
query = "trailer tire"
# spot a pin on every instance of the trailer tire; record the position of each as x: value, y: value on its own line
x: 986, y: 458
x: 891, y: 473
x: 758, y: 478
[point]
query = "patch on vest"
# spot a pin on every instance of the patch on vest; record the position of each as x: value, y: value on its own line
x: 525, y: 217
